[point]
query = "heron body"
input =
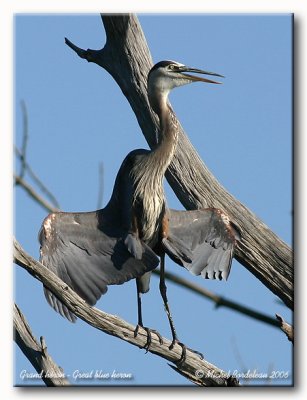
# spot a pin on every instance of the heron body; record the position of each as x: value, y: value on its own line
x: 148, y: 204
x: 90, y: 251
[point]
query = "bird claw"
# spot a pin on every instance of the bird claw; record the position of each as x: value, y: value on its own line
x: 149, y: 336
x: 136, y: 331
x: 184, y: 351
x: 198, y: 353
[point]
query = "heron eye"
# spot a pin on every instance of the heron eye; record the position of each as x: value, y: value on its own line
x: 172, y: 66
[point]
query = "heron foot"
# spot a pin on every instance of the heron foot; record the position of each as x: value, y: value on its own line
x: 149, y: 336
x: 184, y: 351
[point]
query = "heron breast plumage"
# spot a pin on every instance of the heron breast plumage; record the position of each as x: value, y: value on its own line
x: 149, y: 206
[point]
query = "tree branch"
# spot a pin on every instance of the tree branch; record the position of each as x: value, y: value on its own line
x: 38, y: 182
x: 37, y: 353
x: 127, y: 58
x: 24, y: 139
x: 112, y: 325
x: 31, y: 192
x: 21, y: 154
x: 100, y: 185
x: 286, y: 328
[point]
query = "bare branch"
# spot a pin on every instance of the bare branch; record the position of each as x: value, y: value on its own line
x: 21, y: 154
x: 127, y: 58
x: 81, y: 53
x: 36, y: 179
x: 37, y: 353
x: 113, y: 325
x: 24, y: 139
x: 286, y: 328
x: 34, y: 195
x: 100, y: 185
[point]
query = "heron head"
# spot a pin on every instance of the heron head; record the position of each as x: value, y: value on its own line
x: 167, y: 75
x: 171, y: 74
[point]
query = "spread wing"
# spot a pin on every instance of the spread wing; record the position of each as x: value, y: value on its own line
x: 201, y: 241
x: 89, y: 254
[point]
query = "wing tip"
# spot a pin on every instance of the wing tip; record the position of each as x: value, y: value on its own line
x: 59, y: 307
x: 220, y: 275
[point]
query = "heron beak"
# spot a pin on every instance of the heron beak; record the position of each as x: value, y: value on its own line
x: 195, y: 78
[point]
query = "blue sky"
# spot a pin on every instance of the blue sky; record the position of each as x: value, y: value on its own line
x: 78, y: 118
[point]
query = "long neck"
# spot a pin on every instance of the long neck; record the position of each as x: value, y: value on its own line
x: 149, y: 171
x: 162, y: 155
x: 148, y: 196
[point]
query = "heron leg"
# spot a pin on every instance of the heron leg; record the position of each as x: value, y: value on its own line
x: 175, y: 340
x: 140, y: 322
x: 163, y: 290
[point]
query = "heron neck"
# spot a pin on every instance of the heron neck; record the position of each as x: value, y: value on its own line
x: 168, y: 137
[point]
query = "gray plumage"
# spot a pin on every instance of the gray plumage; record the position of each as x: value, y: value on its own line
x: 202, y: 241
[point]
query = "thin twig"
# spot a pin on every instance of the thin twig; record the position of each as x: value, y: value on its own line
x: 100, y: 185
x: 38, y: 182
x: 34, y: 195
x: 24, y: 138
x: 237, y: 354
x: 22, y: 156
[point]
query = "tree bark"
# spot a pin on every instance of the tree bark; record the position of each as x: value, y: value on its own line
x: 199, y: 371
x: 36, y: 353
x: 127, y: 58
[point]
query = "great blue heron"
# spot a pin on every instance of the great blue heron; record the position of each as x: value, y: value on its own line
x: 92, y: 250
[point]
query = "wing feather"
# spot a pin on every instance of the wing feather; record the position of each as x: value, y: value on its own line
x: 202, y: 241
x: 88, y: 255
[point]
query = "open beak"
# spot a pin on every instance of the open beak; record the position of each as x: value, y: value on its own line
x: 196, y: 78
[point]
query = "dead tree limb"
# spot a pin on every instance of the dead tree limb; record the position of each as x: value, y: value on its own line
x: 200, y: 371
x: 24, y: 139
x: 32, y: 193
x: 37, y: 353
x: 22, y: 156
x: 127, y: 58
x: 286, y: 328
